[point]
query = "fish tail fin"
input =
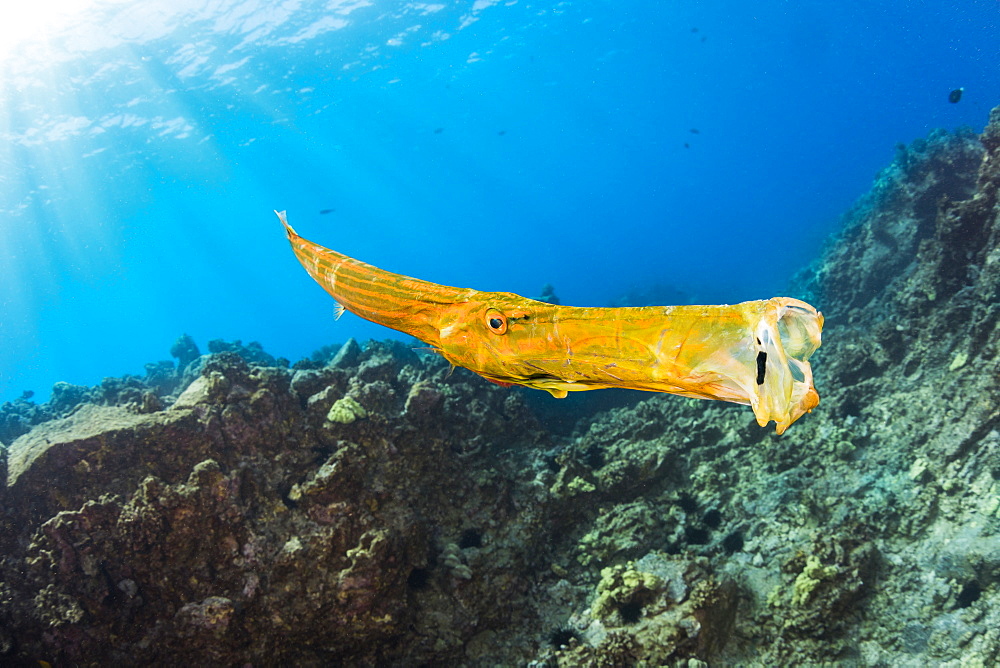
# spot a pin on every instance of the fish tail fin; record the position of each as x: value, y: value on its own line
x: 289, y: 230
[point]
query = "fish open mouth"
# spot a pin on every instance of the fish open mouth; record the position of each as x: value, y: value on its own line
x: 784, y: 342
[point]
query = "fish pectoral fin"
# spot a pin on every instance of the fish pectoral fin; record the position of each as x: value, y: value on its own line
x: 338, y: 310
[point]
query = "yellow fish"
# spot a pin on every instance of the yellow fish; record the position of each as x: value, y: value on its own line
x: 754, y: 353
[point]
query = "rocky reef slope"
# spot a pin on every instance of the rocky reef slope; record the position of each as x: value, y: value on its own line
x: 373, y: 508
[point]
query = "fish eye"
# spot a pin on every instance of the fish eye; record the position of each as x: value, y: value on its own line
x: 496, y: 321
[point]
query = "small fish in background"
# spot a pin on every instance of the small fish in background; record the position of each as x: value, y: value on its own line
x: 695, y: 131
x: 326, y: 211
x: 955, y: 95
x: 548, y: 295
x: 438, y: 131
x: 502, y: 133
x: 687, y: 145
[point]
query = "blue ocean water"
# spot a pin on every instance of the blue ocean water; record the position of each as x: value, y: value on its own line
x: 496, y: 144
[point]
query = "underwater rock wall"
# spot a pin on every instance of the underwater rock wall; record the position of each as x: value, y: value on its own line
x: 370, y: 507
x: 271, y: 515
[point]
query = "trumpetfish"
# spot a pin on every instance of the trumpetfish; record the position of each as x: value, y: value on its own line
x: 755, y: 352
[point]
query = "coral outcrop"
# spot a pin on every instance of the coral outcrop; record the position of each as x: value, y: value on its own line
x: 369, y: 506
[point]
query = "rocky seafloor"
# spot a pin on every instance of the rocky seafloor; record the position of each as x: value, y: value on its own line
x: 371, y: 507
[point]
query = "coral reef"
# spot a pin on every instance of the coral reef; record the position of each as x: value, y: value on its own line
x: 371, y: 506
x: 241, y: 514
